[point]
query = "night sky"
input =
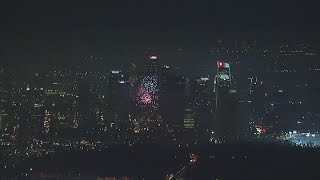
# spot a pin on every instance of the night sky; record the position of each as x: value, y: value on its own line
x: 59, y: 31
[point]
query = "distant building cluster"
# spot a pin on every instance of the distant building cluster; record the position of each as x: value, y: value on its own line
x: 249, y: 93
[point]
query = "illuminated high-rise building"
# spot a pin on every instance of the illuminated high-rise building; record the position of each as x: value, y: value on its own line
x: 164, y: 92
x: 164, y: 79
x: 202, y: 87
x: 154, y: 67
x: 257, y: 95
x: 188, y: 121
x: 148, y: 92
x: 176, y: 101
x: 225, y: 121
x: 223, y: 78
x: 118, y: 97
x: 46, y: 122
x: 222, y: 81
x: 202, y: 102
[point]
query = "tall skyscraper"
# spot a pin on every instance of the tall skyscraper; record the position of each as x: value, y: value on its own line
x: 164, y: 98
x: 225, y: 121
x: 164, y: 79
x: 148, y: 98
x: 176, y: 101
x: 154, y: 67
x: 148, y: 92
x: 202, y: 103
x: 90, y: 101
x: 222, y: 81
x: 257, y: 94
x: 223, y: 74
x: 118, y: 97
x: 188, y: 121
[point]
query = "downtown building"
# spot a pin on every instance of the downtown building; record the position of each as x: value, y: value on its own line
x: 148, y: 93
x: 202, y: 103
x: 225, y: 111
x: 118, y: 99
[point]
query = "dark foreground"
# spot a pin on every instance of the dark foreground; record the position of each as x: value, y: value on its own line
x: 152, y: 162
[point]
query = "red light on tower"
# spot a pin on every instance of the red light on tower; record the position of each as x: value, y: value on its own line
x: 221, y: 64
x: 153, y: 57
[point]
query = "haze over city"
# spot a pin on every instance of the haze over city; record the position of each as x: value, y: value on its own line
x: 159, y: 89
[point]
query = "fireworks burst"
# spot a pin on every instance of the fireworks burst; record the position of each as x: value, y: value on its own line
x: 147, y: 92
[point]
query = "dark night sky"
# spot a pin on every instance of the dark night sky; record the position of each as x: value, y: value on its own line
x: 40, y: 31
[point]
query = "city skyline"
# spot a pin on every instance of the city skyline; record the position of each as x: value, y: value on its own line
x: 143, y: 89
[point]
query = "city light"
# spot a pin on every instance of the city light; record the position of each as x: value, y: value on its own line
x: 115, y: 72
x: 302, y: 139
x: 160, y: 90
x: 153, y: 57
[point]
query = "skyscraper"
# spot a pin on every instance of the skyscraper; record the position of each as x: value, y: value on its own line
x: 118, y: 97
x: 148, y: 98
x: 164, y: 99
x: 257, y: 94
x: 148, y: 92
x: 223, y: 74
x: 176, y: 101
x: 222, y: 81
x: 154, y: 67
x: 202, y: 103
x: 225, y: 123
x: 164, y: 79
x: 188, y: 121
